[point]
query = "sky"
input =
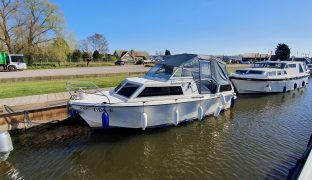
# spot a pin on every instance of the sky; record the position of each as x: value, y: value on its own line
x: 218, y: 27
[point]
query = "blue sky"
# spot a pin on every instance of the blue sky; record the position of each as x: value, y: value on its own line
x: 194, y: 26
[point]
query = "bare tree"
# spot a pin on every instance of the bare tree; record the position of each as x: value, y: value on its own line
x: 44, y: 21
x: 10, y: 25
x: 84, y: 46
x: 98, y: 43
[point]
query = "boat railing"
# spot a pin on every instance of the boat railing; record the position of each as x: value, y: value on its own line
x: 77, y: 88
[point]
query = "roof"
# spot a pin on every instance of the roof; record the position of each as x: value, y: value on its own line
x: 181, y: 59
x: 132, y: 53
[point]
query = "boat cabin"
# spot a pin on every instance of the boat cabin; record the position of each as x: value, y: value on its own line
x: 178, y: 75
x: 273, y: 69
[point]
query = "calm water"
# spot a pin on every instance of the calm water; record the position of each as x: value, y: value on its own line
x: 262, y: 137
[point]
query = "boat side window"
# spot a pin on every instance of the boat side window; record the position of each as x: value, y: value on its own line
x: 241, y: 71
x: 118, y: 87
x: 128, y: 89
x: 279, y: 73
x: 300, y: 69
x: 292, y: 65
x: 227, y: 87
x: 273, y: 73
x: 181, y: 72
x: 285, y: 72
x: 255, y: 72
x: 161, y: 91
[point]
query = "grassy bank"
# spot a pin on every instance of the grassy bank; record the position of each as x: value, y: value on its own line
x: 55, y: 65
x: 17, y: 89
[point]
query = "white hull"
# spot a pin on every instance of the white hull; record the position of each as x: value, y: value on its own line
x: 157, y: 115
x: 250, y: 86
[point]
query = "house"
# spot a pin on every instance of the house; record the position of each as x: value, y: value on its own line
x: 131, y: 56
x: 255, y: 57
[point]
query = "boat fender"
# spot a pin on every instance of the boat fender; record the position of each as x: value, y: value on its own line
x: 223, y: 99
x: 143, y: 121
x: 176, y: 117
x: 284, y: 89
x: 217, y: 112
x: 295, y: 86
x: 6, y: 145
x: 105, y: 120
x: 200, y: 113
x: 233, y: 101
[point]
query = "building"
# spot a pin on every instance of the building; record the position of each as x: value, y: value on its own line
x: 131, y: 56
x: 255, y: 57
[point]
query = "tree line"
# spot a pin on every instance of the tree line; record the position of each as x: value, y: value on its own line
x: 37, y: 29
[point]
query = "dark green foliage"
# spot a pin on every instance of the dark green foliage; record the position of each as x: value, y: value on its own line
x: 167, y: 52
x: 86, y: 56
x: 110, y: 57
x: 96, y: 55
x: 76, y: 55
x: 282, y: 51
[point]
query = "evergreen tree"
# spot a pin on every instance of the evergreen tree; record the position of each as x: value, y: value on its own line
x: 282, y: 51
x: 167, y: 52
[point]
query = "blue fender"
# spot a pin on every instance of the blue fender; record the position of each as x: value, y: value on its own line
x: 105, y: 120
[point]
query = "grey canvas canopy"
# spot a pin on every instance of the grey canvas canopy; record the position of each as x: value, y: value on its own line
x: 203, y: 67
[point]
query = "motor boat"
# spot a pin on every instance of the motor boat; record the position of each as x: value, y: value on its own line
x: 309, y: 66
x: 181, y: 88
x: 270, y: 77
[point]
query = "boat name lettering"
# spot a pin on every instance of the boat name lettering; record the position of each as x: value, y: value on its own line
x: 98, y: 109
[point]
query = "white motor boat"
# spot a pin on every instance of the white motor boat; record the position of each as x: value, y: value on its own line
x: 270, y: 77
x: 181, y: 88
x: 310, y: 68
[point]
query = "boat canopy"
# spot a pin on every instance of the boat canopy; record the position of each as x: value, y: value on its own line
x: 204, y: 70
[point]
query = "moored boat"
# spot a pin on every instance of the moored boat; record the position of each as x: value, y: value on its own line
x: 270, y: 77
x: 181, y: 88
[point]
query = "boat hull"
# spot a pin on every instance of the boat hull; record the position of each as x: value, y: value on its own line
x: 250, y: 86
x: 156, y: 115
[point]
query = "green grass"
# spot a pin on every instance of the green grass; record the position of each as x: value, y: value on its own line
x: 16, y: 89
x: 54, y: 65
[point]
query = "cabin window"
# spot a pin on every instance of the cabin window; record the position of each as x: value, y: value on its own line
x: 240, y: 71
x: 255, y: 72
x: 292, y: 65
x: 273, y: 73
x: 300, y: 69
x: 279, y: 73
x: 227, y: 87
x: 119, y: 86
x: 181, y: 72
x: 128, y: 89
x: 161, y: 91
x: 285, y: 72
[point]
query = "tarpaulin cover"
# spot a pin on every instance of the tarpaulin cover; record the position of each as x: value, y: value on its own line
x: 193, y: 62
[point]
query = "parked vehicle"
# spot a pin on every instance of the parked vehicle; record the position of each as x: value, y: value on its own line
x: 12, y: 62
x: 120, y: 63
x: 182, y: 88
x: 140, y: 62
x: 271, y: 77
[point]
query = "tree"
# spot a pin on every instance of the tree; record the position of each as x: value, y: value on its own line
x: 27, y: 24
x: 282, y: 51
x: 86, y: 57
x: 59, y: 50
x: 10, y: 25
x: 98, y: 42
x: 167, y: 52
x: 76, y: 55
x: 96, y: 55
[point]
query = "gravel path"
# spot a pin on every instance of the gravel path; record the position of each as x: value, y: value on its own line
x: 73, y: 71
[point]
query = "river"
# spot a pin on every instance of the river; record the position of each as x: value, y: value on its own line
x: 261, y: 137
